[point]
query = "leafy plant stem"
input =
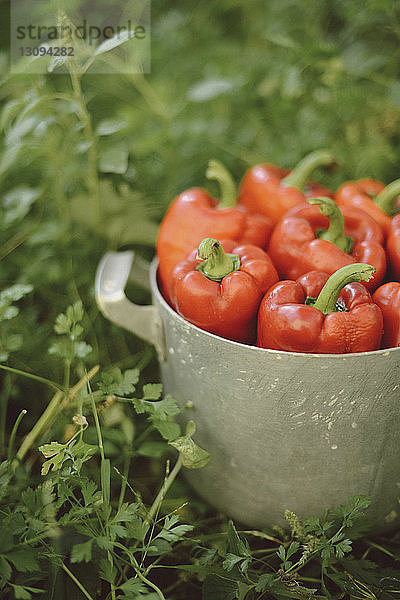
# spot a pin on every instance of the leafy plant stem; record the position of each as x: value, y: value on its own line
x: 372, y: 544
x: 17, y: 240
x: 104, y: 480
x: 263, y: 551
x: 48, y: 98
x: 128, y: 485
x: 98, y: 429
x: 323, y: 585
x: 14, y: 433
x: 78, y: 583
x: 262, y: 535
x: 37, y: 538
x: 124, y: 478
x: 93, y: 177
x: 138, y: 572
x: 165, y: 487
x: 33, y: 376
x: 151, y: 97
x: 3, y: 411
x: 81, y: 413
x: 49, y: 415
x: 67, y: 374
x: 294, y: 568
x: 112, y: 584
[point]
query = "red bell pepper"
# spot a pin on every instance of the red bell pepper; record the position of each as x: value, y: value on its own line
x: 393, y: 248
x: 342, y: 319
x: 194, y: 214
x: 306, y: 240
x: 387, y: 297
x: 271, y: 191
x: 222, y: 293
x: 373, y: 197
x: 313, y: 189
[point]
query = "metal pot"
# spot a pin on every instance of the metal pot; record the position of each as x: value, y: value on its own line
x: 284, y: 429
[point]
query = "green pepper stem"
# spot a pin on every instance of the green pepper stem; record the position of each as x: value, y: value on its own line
x: 328, y: 296
x: 216, y: 170
x: 335, y: 232
x: 385, y: 199
x: 216, y: 263
x: 300, y: 175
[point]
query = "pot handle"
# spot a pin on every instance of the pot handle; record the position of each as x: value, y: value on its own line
x: 113, y: 273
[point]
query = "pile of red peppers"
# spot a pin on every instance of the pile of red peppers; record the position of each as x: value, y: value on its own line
x: 285, y: 263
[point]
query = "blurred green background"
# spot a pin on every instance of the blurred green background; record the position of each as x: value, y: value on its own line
x: 90, y: 163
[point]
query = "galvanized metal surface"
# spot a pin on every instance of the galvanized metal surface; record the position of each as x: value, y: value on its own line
x: 112, y: 276
x: 285, y: 430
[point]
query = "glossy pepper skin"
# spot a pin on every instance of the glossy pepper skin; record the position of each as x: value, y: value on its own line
x: 228, y: 307
x: 193, y: 215
x: 393, y: 248
x: 310, y: 190
x: 314, y: 189
x: 372, y: 197
x: 271, y: 191
x: 286, y: 322
x: 387, y: 297
x: 295, y: 247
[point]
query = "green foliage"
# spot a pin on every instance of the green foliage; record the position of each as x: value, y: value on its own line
x: 317, y: 550
x: 9, y: 341
x: 285, y: 554
x: 125, y: 533
x: 193, y: 456
x: 237, y: 552
x: 58, y: 454
x: 120, y: 384
x: 69, y: 326
x: 90, y: 506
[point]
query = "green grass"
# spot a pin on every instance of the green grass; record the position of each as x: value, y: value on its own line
x: 90, y: 163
